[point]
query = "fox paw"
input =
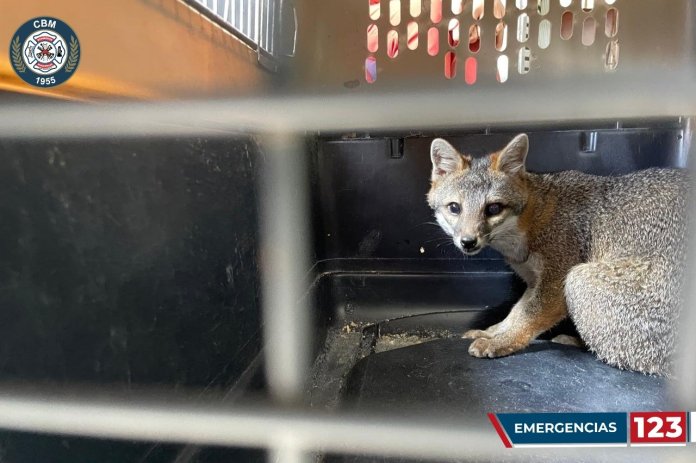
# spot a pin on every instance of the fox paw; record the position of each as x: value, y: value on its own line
x: 491, y: 348
x: 475, y: 334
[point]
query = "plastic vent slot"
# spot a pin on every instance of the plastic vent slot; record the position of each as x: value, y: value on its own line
x: 523, y: 28
x: 501, y: 36
x: 587, y: 5
x: 477, y: 10
x: 499, y: 8
x: 589, y: 28
x: 611, y: 60
x: 374, y: 8
x: 372, y: 38
x: 435, y: 11
x: 450, y: 65
x: 502, y: 66
x: 544, y: 34
x: 611, y: 25
x: 470, y: 70
x: 433, y: 41
x: 474, y: 38
x: 392, y: 44
x: 524, y: 58
x: 415, y: 8
x: 543, y: 7
x: 370, y: 69
x: 521, y: 4
x: 395, y: 12
x: 457, y: 7
x: 412, y: 35
x: 567, y: 25
x: 453, y: 33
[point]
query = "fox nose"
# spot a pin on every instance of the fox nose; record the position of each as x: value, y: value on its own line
x: 468, y: 242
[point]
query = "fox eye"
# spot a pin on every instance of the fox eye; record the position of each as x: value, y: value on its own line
x: 454, y: 208
x: 493, y: 209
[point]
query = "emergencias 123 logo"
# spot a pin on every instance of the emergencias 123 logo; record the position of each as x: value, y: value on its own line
x: 44, y: 52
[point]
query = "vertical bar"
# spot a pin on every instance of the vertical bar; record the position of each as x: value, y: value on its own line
x: 265, y: 23
x: 233, y: 14
x: 249, y: 16
x: 215, y: 6
x: 226, y: 11
x: 285, y: 250
x: 257, y: 19
x: 241, y: 16
x: 266, y: 27
x: 275, y: 29
x: 685, y: 385
x: 288, y: 452
x: 252, y: 19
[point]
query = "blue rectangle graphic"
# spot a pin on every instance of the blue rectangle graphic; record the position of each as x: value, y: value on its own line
x: 565, y: 428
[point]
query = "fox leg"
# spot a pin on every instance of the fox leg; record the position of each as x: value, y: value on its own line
x: 626, y: 310
x: 487, y: 333
x: 493, y: 330
x: 538, y: 310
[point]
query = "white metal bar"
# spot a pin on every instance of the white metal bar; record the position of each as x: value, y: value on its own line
x: 226, y: 11
x: 273, y: 13
x: 257, y: 16
x: 247, y: 26
x: 685, y: 385
x: 269, y: 24
x: 355, y: 111
x: 285, y: 238
x: 264, y: 30
x: 288, y: 452
x: 285, y: 250
x: 241, y: 15
x: 196, y: 422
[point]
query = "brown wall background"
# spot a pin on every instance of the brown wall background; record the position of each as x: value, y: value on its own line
x: 142, y: 49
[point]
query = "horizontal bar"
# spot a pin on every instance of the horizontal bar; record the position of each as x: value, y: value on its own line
x: 176, y: 420
x: 357, y: 111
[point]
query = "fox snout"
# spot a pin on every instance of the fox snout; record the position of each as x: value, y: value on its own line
x: 469, y: 233
x: 469, y: 243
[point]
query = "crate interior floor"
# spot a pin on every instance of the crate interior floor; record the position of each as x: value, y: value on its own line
x: 421, y: 362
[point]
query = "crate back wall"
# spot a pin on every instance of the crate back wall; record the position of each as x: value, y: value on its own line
x: 128, y: 261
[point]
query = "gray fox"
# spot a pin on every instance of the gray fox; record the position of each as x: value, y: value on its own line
x: 606, y: 251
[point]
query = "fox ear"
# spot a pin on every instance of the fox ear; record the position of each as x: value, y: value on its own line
x: 511, y: 159
x: 446, y: 159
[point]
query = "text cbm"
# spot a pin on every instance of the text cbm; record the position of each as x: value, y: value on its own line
x: 50, y: 23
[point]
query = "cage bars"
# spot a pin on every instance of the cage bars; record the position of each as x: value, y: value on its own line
x: 293, y: 432
x: 363, y: 112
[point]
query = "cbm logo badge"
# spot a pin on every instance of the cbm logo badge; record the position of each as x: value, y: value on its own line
x: 44, y: 52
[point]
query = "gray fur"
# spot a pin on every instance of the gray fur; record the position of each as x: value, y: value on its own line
x: 608, y: 251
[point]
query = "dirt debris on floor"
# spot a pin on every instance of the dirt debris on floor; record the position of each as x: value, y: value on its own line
x: 391, y: 341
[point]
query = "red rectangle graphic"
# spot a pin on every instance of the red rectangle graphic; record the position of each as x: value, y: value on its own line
x: 658, y: 428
